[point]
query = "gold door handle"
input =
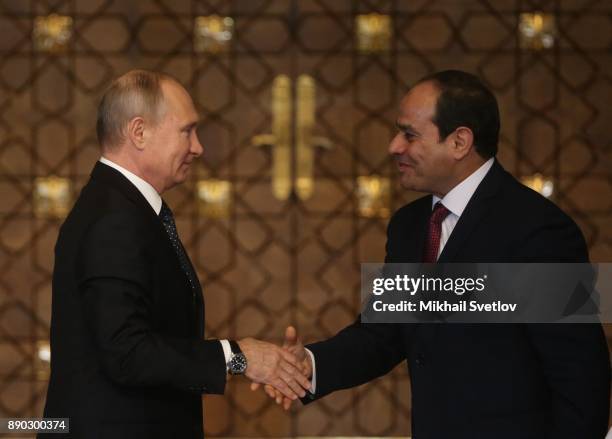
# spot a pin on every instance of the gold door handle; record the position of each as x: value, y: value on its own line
x: 281, y: 137
x: 304, y: 168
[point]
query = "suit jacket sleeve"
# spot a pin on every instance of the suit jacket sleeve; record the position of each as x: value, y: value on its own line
x: 359, y: 353
x: 115, y: 281
x: 574, y: 357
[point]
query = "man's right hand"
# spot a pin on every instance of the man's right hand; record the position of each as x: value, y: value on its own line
x: 271, y: 365
x: 292, y: 344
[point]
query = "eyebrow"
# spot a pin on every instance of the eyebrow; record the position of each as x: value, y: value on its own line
x: 190, y: 126
x: 407, y: 129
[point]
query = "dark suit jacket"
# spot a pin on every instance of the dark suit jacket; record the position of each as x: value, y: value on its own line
x: 493, y: 380
x: 128, y: 358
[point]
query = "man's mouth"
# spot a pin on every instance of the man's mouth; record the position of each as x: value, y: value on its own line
x: 402, y: 166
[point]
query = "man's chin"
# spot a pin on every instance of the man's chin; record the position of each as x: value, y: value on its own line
x: 178, y: 178
x: 183, y: 174
x: 410, y: 185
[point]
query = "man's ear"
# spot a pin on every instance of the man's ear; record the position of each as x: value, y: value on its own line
x: 136, y: 132
x: 463, y: 141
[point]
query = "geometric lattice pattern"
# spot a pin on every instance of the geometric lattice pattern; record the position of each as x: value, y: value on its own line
x: 272, y: 263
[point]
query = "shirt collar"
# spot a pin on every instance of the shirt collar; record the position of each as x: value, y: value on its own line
x: 459, y: 196
x: 145, y: 188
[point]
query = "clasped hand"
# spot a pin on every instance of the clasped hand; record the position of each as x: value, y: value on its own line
x: 292, y: 346
x: 283, y: 371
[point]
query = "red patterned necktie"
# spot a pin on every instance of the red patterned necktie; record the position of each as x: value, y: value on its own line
x: 433, y: 232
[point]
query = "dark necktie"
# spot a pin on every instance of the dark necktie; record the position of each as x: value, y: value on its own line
x: 168, y: 221
x: 434, y: 231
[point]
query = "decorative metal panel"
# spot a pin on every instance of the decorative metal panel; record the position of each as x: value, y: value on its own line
x: 266, y: 263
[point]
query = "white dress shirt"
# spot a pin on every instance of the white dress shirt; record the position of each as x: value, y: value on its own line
x: 155, y: 201
x: 145, y: 188
x: 455, y: 201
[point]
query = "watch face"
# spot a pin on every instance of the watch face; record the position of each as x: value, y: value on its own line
x: 238, y: 364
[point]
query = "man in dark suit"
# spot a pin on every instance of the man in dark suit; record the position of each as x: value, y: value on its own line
x: 128, y: 354
x: 468, y: 380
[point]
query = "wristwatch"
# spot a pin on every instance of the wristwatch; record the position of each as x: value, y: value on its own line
x: 237, y: 364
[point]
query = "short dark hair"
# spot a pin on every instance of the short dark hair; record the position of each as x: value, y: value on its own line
x: 465, y: 101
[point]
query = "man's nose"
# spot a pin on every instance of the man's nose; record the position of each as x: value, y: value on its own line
x: 196, y: 146
x: 397, y: 145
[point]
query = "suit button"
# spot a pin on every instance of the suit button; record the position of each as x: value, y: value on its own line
x: 420, y: 360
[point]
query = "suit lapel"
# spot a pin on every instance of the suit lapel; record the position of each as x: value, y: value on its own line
x: 199, y: 297
x: 117, y: 180
x: 474, y: 213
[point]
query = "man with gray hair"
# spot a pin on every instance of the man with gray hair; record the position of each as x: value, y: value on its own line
x: 129, y: 358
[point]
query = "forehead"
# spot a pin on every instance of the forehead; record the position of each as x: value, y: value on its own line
x: 178, y: 102
x: 419, y: 104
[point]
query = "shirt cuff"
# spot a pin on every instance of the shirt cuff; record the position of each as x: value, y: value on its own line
x: 313, y: 379
x: 227, y: 351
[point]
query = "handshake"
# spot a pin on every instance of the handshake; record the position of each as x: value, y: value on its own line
x: 285, y: 372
